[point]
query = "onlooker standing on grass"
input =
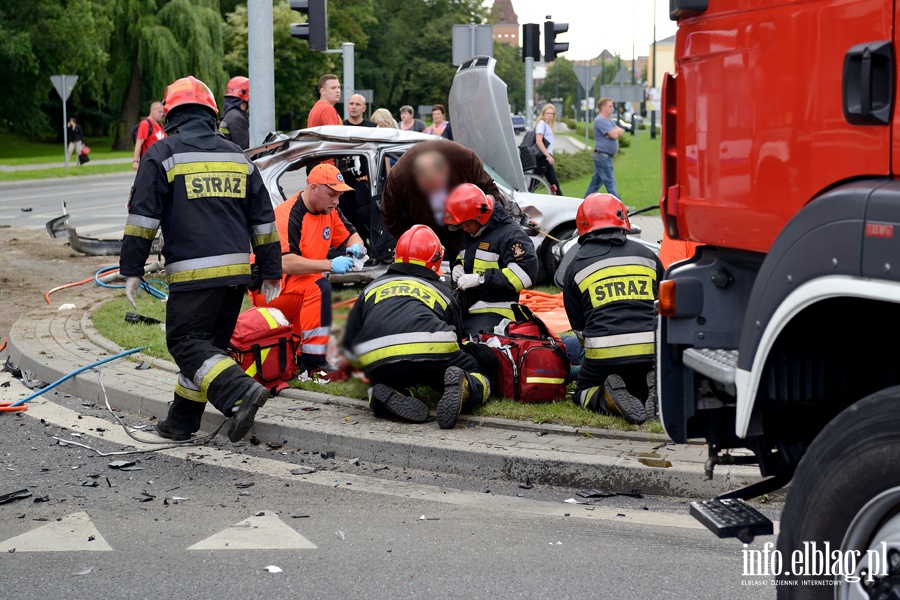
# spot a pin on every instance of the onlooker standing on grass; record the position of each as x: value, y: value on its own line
x: 323, y: 111
x: 408, y: 120
x: 76, y: 138
x: 606, y: 144
x: 149, y: 131
x: 439, y: 122
x: 543, y: 137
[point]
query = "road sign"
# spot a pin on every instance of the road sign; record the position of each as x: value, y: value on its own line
x: 623, y: 93
x: 368, y: 95
x: 472, y: 40
x: 587, y: 75
x: 64, y: 84
x: 622, y: 76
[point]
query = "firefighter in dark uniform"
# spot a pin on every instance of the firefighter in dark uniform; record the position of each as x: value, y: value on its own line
x: 406, y: 330
x: 609, y: 293
x: 212, y: 207
x: 235, y: 124
x: 497, y: 260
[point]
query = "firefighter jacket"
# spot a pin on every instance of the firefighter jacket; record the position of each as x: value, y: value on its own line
x: 505, y: 255
x: 212, y: 207
x: 407, y: 314
x: 235, y: 124
x: 609, y: 293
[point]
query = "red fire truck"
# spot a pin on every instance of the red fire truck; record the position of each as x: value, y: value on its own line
x: 781, y: 158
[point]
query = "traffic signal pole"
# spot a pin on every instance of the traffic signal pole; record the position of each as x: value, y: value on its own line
x: 529, y: 90
x: 261, y: 55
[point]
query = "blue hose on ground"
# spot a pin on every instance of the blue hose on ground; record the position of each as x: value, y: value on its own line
x: 160, y: 293
x: 74, y: 373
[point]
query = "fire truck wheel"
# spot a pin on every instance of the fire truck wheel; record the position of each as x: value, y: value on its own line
x: 846, y: 493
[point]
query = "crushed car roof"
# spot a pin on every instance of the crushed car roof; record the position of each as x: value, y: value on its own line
x: 344, y: 133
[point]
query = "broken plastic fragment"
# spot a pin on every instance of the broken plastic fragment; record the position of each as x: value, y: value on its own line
x: 87, y: 571
x: 273, y: 569
x: 340, y: 535
x: 67, y: 306
x: 119, y: 464
x: 243, y: 486
x: 573, y: 501
x: 17, y: 495
x: 302, y: 471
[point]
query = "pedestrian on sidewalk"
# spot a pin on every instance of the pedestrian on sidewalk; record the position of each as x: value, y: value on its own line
x: 406, y: 330
x: 149, y: 131
x: 212, y: 206
x: 76, y: 139
x: 606, y: 145
x: 543, y: 138
x: 609, y: 294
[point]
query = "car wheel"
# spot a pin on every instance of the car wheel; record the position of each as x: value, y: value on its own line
x: 846, y: 493
x: 548, y: 262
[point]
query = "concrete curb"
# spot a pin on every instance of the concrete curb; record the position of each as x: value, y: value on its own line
x: 51, y: 344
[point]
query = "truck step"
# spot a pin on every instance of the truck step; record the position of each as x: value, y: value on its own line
x: 719, y: 365
x: 732, y: 518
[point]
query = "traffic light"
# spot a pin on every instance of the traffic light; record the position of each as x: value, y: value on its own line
x: 315, y: 30
x: 531, y: 41
x: 552, y: 48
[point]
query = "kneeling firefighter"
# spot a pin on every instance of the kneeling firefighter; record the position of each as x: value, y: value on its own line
x: 212, y: 207
x: 497, y: 260
x: 609, y: 294
x: 405, y: 330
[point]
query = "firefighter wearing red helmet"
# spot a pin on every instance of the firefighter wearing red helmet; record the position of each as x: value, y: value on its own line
x: 213, y: 209
x: 235, y: 125
x: 497, y: 260
x: 609, y: 293
x: 406, y: 330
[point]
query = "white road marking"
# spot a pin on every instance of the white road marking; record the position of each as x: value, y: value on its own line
x: 73, y: 533
x: 64, y: 417
x: 264, y: 532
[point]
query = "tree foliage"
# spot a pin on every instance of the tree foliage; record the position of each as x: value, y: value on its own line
x: 40, y: 38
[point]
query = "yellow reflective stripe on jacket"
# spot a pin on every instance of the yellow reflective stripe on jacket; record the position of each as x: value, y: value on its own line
x: 500, y: 308
x: 411, y: 288
x: 405, y: 344
x: 211, y: 368
x: 485, y: 260
x: 208, y: 273
x: 618, y: 272
x: 620, y: 345
x: 141, y: 232
x: 267, y: 233
x: 141, y: 226
x: 613, y: 262
x: 207, y: 167
x: 189, y: 394
x: 517, y: 276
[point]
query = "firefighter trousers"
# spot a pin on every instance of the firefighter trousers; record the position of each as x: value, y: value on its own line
x: 593, y: 375
x: 199, y: 325
x: 308, y: 308
x: 405, y: 376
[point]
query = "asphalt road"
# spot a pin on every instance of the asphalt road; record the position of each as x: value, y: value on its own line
x: 345, y: 530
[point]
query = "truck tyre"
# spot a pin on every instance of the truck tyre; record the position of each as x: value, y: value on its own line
x: 847, y: 492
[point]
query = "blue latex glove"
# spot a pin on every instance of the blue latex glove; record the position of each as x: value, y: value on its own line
x: 341, y: 264
x: 356, y: 250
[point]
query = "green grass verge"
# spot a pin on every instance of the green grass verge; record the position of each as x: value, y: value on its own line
x: 637, y: 172
x: 109, y: 321
x: 19, y: 150
x: 57, y: 172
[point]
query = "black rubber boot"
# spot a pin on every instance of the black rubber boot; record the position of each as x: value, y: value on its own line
x: 165, y: 429
x: 407, y: 408
x: 456, y: 395
x: 651, y: 406
x: 242, y: 421
x: 618, y: 401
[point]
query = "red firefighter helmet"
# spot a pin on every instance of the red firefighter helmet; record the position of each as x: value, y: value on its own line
x: 238, y: 87
x: 601, y: 211
x: 420, y: 246
x: 467, y: 203
x: 189, y: 90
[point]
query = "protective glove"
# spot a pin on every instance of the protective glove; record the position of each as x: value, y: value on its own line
x: 133, y: 290
x: 356, y: 250
x: 271, y: 289
x: 468, y: 281
x: 341, y: 264
x: 457, y: 272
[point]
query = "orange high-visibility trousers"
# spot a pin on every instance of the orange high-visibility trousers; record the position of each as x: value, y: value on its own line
x: 308, y: 307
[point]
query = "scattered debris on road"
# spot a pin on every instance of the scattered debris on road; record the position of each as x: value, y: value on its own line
x: 273, y: 569
x: 12, y: 496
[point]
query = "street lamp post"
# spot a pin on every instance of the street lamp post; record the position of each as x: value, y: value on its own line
x: 653, y: 77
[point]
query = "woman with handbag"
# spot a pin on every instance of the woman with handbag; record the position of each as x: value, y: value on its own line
x: 543, y: 134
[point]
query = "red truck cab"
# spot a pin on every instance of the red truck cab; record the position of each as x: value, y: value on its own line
x: 780, y: 157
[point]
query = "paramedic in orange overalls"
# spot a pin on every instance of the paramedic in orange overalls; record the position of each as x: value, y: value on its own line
x: 309, y: 226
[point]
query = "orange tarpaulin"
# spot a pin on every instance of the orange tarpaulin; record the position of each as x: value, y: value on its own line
x: 548, y: 308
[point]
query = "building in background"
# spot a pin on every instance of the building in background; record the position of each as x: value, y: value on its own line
x: 505, y: 22
x: 665, y: 60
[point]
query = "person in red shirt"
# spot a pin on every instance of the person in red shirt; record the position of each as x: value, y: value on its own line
x: 309, y: 226
x: 323, y: 111
x: 149, y: 130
